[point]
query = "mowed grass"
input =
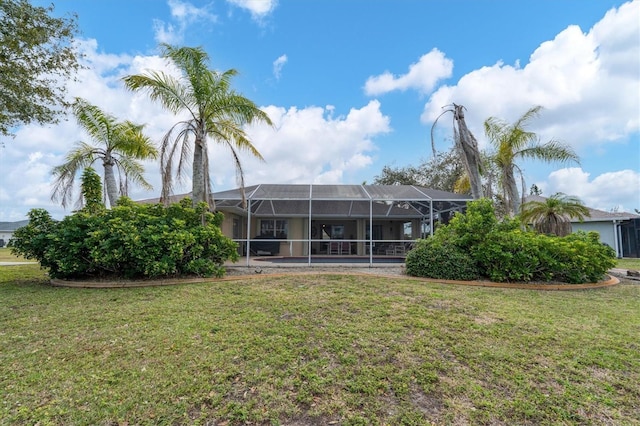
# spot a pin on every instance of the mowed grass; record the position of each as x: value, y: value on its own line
x: 629, y: 263
x: 316, y: 349
x: 7, y: 256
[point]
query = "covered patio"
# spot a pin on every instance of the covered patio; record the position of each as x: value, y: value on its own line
x: 315, y: 223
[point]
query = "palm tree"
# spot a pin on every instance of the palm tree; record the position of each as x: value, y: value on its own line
x: 467, y: 145
x: 117, y: 144
x: 214, y: 111
x: 513, y: 142
x: 553, y: 215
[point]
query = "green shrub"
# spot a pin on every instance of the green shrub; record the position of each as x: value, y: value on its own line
x: 580, y: 257
x: 33, y: 240
x: 129, y: 241
x: 476, y: 244
x: 445, y: 261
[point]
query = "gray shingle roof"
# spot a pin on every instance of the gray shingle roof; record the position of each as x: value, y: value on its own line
x: 12, y: 226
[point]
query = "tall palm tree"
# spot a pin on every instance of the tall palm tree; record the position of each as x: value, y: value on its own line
x: 215, y: 111
x: 513, y: 142
x: 119, y: 145
x: 553, y: 215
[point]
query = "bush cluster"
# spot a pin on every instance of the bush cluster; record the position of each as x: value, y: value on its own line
x: 129, y: 241
x: 475, y: 245
x: 443, y: 261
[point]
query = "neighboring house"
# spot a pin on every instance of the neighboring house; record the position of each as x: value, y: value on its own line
x: 323, y: 220
x: 620, y: 231
x: 7, y: 229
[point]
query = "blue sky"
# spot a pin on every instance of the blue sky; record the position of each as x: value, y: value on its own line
x: 355, y: 85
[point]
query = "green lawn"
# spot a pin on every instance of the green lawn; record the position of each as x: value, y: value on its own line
x: 314, y: 350
x: 6, y: 256
x: 629, y: 264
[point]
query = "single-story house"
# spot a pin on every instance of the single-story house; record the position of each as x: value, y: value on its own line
x: 7, y: 229
x: 314, y: 221
x: 619, y: 230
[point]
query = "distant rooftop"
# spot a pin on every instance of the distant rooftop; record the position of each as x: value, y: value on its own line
x: 12, y: 226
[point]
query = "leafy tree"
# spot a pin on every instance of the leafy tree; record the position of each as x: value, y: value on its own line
x: 553, y: 215
x: 513, y: 142
x: 441, y: 171
x: 215, y: 111
x: 118, y: 145
x: 408, y: 175
x: 36, y: 57
x: 535, y: 190
x: 467, y: 146
x: 91, y: 191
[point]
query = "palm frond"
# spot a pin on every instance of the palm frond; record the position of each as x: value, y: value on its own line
x: 164, y: 88
x: 550, y: 152
x: 239, y: 176
x: 94, y: 121
x: 228, y: 133
x: 129, y: 139
x: 77, y: 159
x: 533, y: 112
x: 132, y: 170
x: 433, y: 126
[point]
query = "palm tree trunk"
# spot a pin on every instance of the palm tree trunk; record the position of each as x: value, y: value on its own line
x: 199, y: 187
x: 471, y: 154
x: 110, y: 181
x: 511, y: 187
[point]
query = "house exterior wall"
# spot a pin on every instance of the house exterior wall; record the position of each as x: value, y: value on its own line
x: 6, y: 236
x: 227, y: 224
x: 605, y: 229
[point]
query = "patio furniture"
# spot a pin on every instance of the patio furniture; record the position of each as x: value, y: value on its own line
x: 264, y: 246
x: 334, y: 247
x: 345, y: 247
x: 399, y: 250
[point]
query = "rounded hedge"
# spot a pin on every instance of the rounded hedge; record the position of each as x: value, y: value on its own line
x: 445, y: 261
x: 475, y: 245
x: 131, y: 241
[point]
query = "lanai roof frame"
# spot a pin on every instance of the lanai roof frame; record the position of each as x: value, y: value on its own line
x: 394, y: 196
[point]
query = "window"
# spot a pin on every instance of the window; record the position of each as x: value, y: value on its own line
x: 408, y: 230
x: 274, y: 228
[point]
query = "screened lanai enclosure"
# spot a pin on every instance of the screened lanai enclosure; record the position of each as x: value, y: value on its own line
x: 344, y: 223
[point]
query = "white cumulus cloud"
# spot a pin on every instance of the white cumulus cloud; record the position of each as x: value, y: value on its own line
x: 423, y: 76
x: 309, y: 145
x: 604, y: 192
x: 575, y: 77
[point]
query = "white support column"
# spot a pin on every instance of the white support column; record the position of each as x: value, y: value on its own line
x: 370, y: 232
x: 617, y: 238
x: 248, y: 231
x: 431, y: 218
x: 309, y: 232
